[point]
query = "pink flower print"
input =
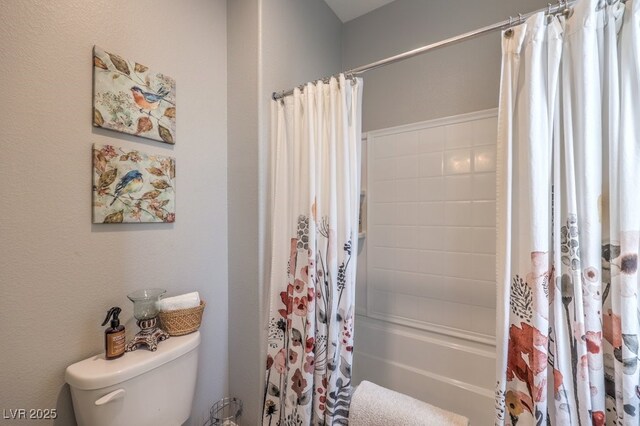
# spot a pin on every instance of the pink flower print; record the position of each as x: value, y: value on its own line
x: 299, y: 286
x: 583, y: 367
x: 300, y: 306
x: 309, y: 345
x: 298, y: 383
x: 108, y: 151
x: 310, y: 294
x: 591, y: 274
x: 280, y: 362
x: 309, y: 364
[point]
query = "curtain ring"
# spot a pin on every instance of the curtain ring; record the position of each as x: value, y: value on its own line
x: 509, y: 32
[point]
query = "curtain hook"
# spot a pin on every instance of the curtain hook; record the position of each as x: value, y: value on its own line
x: 567, y: 11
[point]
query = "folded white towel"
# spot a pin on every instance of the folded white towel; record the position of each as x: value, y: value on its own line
x: 183, y: 301
x: 373, y: 405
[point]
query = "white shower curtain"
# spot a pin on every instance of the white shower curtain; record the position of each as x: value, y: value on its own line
x: 315, y: 196
x: 569, y: 219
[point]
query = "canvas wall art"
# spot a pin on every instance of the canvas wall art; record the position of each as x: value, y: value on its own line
x: 130, y: 98
x: 132, y: 187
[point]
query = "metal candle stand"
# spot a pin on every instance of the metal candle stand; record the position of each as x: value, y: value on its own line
x: 149, y: 335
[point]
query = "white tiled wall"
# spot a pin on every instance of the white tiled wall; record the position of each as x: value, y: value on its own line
x: 431, y: 223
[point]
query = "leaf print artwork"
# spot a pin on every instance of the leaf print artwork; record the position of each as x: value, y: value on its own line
x: 124, y: 190
x: 128, y: 97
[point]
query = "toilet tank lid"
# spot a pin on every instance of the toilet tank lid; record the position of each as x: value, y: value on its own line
x: 97, y: 372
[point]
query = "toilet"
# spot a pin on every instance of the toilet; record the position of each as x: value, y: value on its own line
x: 140, y: 388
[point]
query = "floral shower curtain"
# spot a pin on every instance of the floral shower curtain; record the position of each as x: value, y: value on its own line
x: 569, y: 219
x: 316, y: 193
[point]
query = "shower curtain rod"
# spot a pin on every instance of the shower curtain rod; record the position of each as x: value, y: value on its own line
x: 562, y: 7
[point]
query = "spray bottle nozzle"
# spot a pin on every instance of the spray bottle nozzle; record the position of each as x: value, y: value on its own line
x: 115, y: 322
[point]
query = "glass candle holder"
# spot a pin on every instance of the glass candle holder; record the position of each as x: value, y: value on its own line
x: 145, y: 310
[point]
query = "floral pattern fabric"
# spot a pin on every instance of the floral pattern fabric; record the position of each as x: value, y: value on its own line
x: 314, y: 247
x: 568, y: 222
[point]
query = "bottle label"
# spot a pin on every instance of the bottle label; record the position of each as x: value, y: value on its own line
x: 115, y: 344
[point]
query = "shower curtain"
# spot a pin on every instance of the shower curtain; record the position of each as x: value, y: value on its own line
x: 315, y: 170
x: 569, y: 219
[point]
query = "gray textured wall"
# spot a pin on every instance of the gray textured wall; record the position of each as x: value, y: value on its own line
x: 454, y: 80
x: 58, y: 272
x: 273, y: 45
x: 244, y: 277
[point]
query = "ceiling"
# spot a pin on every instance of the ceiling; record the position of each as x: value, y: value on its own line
x: 351, y: 9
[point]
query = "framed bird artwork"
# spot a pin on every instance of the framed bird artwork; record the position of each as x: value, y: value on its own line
x: 128, y: 97
x: 132, y: 187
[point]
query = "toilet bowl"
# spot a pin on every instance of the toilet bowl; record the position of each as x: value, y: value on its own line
x: 141, y: 388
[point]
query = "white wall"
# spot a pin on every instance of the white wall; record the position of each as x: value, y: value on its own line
x: 58, y: 272
x: 273, y: 45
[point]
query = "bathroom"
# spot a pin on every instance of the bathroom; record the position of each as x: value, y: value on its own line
x: 431, y: 341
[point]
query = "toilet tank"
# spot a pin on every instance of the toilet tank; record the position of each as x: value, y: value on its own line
x: 140, y: 388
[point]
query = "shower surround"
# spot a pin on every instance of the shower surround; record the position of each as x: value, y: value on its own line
x: 426, y: 282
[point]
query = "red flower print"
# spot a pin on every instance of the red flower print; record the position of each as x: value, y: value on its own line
x: 299, y: 286
x: 310, y: 293
x: 293, y: 356
x: 523, y: 341
x: 287, y: 299
x: 598, y: 418
x: 298, y: 383
x: 309, y: 345
x: 594, y: 341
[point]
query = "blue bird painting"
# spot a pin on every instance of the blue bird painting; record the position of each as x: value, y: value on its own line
x: 130, y: 183
x: 130, y: 186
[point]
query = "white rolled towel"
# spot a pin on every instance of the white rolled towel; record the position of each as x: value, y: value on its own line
x: 183, y: 301
x: 373, y: 405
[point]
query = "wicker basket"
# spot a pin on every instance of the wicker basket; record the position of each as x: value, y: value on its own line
x: 182, y: 321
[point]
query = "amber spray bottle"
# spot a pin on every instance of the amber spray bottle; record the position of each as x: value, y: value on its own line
x: 114, y: 336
